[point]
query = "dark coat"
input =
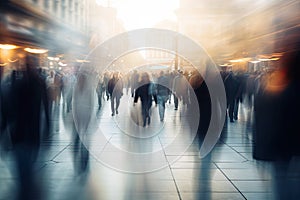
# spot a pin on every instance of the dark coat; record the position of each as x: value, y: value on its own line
x: 277, y: 131
x: 28, y: 95
x: 115, y: 87
x: 145, y: 94
x: 231, y: 87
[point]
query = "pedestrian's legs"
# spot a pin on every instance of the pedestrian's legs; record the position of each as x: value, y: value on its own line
x: 144, y: 114
x: 148, y: 111
x: 230, y: 110
x: 117, y: 103
x: 69, y: 102
x: 236, y: 109
x: 155, y: 99
x: 175, y: 101
x: 84, y: 157
x: 112, y: 105
x: 161, y: 107
x: 250, y: 101
x: 100, y: 100
x: 132, y: 91
x: 107, y: 95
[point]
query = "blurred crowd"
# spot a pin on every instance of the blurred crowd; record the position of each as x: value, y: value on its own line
x: 31, y: 96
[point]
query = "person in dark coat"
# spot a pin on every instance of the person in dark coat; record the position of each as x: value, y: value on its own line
x: 231, y: 88
x: 144, y: 92
x: 115, y: 90
x: 239, y: 97
x: 201, y: 91
x: 29, y: 98
x: 276, y: 110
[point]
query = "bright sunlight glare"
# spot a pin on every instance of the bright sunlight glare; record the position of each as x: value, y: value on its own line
x: 144, y: 13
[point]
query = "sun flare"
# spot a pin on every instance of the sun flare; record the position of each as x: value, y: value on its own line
x: 144, y: 13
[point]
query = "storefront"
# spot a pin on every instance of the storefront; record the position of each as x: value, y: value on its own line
x: 25, y: 29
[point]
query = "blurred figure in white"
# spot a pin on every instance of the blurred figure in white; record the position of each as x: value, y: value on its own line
x: 51, y: 89
x: 83, y: 111
x: 180, y: 89
x: 68, y: 82
x: 100, y: 88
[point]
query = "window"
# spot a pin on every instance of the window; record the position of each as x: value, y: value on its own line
x: 46, y: 4
x: 63, y: 9
x: 55, y: 6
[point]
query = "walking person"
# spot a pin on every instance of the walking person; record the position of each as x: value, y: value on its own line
x: 68, y: 82
x: 24, y: 122
x: 231, y: 88
x: 115, y: 90
x: 83, y: 107
x: 134, y: 82
x: 57, y: 87
x: 180, y: 89
x: 162, y: 92
x: 106, y: 78
x: 51, y: 89
x: 100, y: 88
x: 144, y: 92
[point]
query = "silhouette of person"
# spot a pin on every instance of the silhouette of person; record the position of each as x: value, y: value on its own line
x: 134, y: 79
x: 115, y: 90
x: 277, y: 106
x: 83, y: 105
x: 144, y: 92
x: 99, y: 90
x: 68, y: 81
x: 231, y: 88
x: 27, y: 94
x: 180, y: 89
x: 162, y: 92
x: 204, y: 102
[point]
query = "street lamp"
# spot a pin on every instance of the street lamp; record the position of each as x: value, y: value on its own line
x: 7, y: 46
x: 36, y: 51
x: 4, y: 48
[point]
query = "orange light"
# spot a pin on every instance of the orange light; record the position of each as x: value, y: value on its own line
x: 268, y: 59
x: 255, y: 61
x: 236, y: 61
x: 12, y: 61
x: 274, y: 59
x: 3, y: 64
x: 7, y: 46
x: 36, y: 51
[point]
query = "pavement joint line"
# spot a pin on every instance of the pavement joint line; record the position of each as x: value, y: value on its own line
x: 60, y: 152
x: 230, y: 181
x: 246, y: 159
x: 176, y: 186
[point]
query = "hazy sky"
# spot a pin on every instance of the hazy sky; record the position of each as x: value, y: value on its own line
x: 142, y: 13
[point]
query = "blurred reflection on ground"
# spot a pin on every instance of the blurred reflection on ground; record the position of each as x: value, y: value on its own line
x: 229, y: 172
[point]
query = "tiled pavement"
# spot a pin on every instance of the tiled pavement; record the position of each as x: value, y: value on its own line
x: 229, y: 172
